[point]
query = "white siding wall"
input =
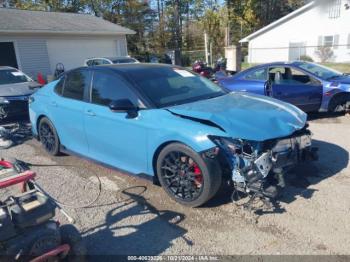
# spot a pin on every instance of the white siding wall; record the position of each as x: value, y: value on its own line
x: 42, y: 53
x: 307, y: 27
x: 72, y: 52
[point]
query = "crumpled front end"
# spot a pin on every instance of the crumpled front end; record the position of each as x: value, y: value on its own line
x: 259, y: 167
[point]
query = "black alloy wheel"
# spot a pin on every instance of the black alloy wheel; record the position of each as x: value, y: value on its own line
x: 186, y: 177
x: 48, y: 137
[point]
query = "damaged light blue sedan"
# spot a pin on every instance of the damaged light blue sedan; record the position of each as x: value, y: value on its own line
x: 164, y: 121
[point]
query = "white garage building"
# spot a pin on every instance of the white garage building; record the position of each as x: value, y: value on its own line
x: 318, y: 25
x: 36, y: 41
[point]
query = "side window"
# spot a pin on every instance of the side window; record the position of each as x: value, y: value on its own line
x: 75, y: 83
x: 260, y: 74
x: 90, y: 62
x: 105, y: 62
x: 107, y: 88
x: 59, y: 86
x: 276, y: 74
x: 290, y: 76
x: 299, y: 77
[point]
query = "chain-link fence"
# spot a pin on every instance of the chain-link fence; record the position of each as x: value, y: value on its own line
x: 330, y: 53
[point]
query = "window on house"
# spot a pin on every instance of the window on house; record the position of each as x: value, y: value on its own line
x: 328, y: 41
x: 334, y: 7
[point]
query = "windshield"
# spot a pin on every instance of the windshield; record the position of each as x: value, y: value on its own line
x: 124, y: 61
x: 12, y: 76
x: 167, y: 86
x: 320, y: 71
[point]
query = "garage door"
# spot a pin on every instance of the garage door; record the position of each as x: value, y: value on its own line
x: 72, y: 53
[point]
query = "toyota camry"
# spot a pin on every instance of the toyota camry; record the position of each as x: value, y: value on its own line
x: 186, y: 132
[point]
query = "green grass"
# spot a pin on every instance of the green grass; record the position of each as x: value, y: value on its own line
x: 342, y: 67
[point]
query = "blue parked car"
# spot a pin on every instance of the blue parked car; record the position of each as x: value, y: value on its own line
x: 309, y: 86
x: 164, y: 121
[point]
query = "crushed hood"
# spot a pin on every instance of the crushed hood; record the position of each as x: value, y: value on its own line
x: 18, y: 89
x: 246, y: 116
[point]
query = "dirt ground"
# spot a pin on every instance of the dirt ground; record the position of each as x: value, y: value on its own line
x: 133, y: 216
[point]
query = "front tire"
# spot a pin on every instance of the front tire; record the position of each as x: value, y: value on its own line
x: 186, y: 177
x: 48, y: 137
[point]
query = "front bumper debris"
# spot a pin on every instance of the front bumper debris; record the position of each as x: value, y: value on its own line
x: 259, y: 167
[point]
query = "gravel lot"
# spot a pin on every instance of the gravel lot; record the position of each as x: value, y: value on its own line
x: 313, y: 217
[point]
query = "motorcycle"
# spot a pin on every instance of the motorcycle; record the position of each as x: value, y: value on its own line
x: 201, y: 68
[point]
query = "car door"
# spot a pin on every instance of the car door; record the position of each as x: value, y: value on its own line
x: 291, y: 85
x: 114, y: 137
x: 67, y: 109
x: 254, y: 81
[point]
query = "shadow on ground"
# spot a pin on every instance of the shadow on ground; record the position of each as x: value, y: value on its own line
x: 326, y: 116
x: 151, y: 231
x: 332, y: 160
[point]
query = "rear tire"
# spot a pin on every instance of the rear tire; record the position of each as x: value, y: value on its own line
x: 48, y: 137
x: 186, y: 177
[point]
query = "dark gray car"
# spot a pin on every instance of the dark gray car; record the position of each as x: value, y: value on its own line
x: 15, y: 89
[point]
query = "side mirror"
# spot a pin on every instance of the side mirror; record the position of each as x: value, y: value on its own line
x: 124, y: 105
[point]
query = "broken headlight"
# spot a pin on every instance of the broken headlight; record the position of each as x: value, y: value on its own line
x: 233, y: 146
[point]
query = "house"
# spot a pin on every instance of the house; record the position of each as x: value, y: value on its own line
x: 36, y: 41
x: 319, y: 29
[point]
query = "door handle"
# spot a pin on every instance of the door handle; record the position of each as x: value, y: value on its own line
x: 53, y: 103
x: 90, y: 113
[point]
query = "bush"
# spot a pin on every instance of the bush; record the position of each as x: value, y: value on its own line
x: 325, y: 53
x: 306, y: 58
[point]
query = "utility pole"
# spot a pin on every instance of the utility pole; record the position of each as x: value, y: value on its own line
x: 177, y: 32
x: 206, y: 47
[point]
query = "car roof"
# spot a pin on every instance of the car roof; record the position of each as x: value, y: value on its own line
x: 289, y: 63
x: 110, y: 58
x: 126, y: 67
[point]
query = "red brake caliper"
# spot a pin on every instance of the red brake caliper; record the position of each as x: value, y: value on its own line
x: 198, y: 178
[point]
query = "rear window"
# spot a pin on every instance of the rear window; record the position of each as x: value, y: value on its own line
x: 12, y: 76
x: 124, y: 61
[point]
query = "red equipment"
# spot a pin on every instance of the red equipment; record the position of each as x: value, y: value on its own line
x: 9, y: 176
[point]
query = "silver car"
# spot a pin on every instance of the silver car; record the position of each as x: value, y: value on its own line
x: 110, y: 60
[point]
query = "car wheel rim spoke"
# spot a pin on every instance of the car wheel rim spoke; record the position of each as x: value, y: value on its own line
x: 182, y: 176
x: 47, y: 137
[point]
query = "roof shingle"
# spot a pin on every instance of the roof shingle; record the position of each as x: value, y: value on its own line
x: 25, y: 21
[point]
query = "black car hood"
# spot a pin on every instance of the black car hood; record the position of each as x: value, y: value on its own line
x: 18, y: 89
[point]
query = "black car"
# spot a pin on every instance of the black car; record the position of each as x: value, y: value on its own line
x: 15, y: 89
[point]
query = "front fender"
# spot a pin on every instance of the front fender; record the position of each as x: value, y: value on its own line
x: 172, y: 128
